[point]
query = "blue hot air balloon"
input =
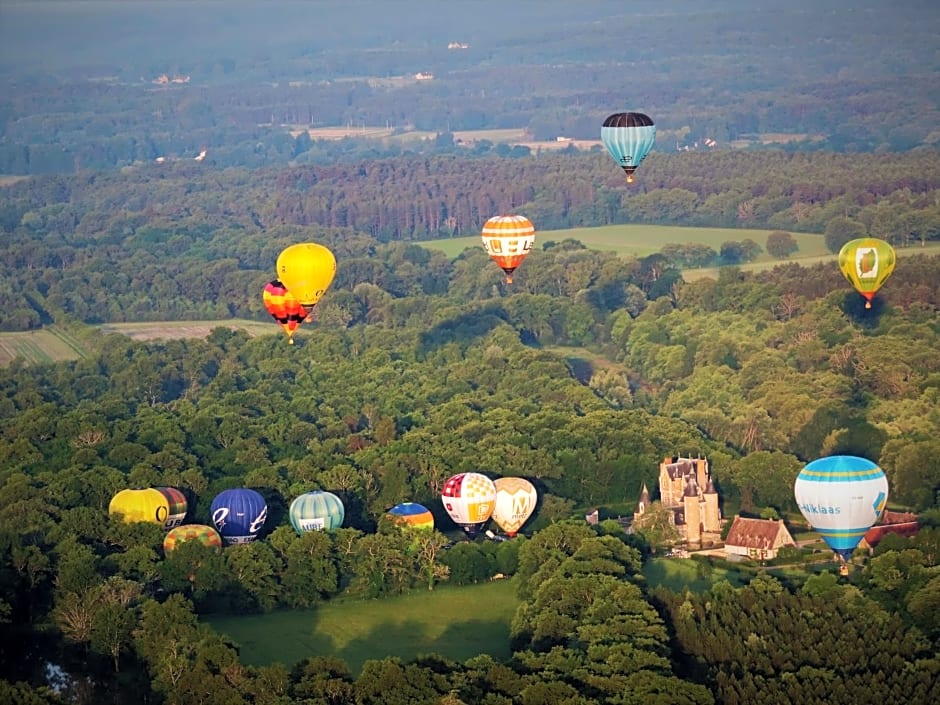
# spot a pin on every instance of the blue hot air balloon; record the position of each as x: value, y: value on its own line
x: 628, y: 137
x: 841, y: 496
x: 316, y: 511
x: 238, y: 515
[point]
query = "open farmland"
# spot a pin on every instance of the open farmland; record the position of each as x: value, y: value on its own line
x: 643, y: 240
x: 457, y: 623
x: 56, y: 343
x: 50, y: 344
x: 168, y: 330
x: 467, y: 138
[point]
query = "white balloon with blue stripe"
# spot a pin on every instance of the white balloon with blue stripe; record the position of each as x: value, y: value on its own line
x: 841, y: 496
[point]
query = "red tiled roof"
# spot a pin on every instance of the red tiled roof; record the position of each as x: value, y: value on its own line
x: 889, y: 517
x: 753, y: 533
x: 874, y: 535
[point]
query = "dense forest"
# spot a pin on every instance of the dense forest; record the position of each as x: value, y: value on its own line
x: 581, y: 384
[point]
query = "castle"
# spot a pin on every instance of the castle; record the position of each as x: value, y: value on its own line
x: 686, y: 490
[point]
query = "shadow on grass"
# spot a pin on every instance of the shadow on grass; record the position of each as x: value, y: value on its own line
x: 456, y: 624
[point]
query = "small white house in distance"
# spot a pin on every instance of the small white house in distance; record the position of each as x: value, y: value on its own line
x: 758, y: 539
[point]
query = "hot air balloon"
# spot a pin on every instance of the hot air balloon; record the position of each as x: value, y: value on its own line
x: 629, y: 138
x: 133, y: 506
x: 205, y: 535
x: 307, y: 270
x: 515, y: 502
x: 238, y: 515
x: 177, y: 506
x: 412, y: 515
x: 283, y: 307
x: 316, y: 511
x: 507, y: 239
x: 469, y: 498
x: 866, y: 262
x: 841, y: 496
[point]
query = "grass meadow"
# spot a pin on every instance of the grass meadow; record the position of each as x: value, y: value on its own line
x: 55, y: 343
x: 455, y: 622
x: 643, y: 240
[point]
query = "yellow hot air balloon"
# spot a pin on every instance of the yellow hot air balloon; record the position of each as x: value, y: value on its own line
x: 306, y: 270
x: 140, y: 505
x: 867, y: 263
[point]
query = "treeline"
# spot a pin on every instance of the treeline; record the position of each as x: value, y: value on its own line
x: 412, y: 197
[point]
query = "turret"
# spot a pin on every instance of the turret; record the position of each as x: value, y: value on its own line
x: 712, y: 520
x: 693, y: 520
x: 644, y: 500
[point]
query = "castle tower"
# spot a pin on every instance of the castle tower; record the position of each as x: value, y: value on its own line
x: 702, y: 475
x: 693, y: 519
x: 712, y: 519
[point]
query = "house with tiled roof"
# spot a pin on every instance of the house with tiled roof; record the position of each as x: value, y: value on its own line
x: 758, y: 539
x: 900, y: 523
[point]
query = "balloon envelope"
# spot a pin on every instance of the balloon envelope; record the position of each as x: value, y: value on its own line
x: 515, y: 502
x: 867, y: 263
x: 177, y: 506
x: 628, y: 137
x: 238, y: 515
x: 316, y: 511
x: 283, y: 307
x: 133, y: 506
x: 205, y: 535
x: 469, y: 498
x: 306, y: 270
x: 508, y: 239
x: 841, y: 496
x: 412, y: 515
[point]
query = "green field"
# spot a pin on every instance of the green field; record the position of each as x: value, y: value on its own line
x: 55, y: 343
x: 681, y: 574
x: 457, y: 623
x: 643, y: 240
x: 50, y: 344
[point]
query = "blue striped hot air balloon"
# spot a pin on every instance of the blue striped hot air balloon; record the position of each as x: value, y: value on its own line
x: 628, y: 137
x: 316, y: 511
x: 841, y: 496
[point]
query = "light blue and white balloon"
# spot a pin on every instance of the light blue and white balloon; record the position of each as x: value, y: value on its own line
x: 841, y: 496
